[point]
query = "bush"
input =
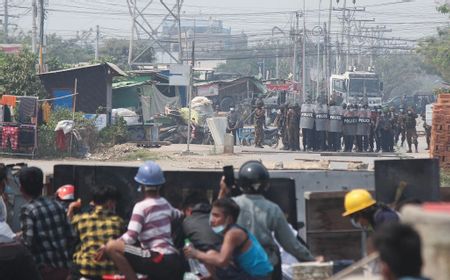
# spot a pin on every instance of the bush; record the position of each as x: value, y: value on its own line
x: 114, y: 134
x: 47, y: 134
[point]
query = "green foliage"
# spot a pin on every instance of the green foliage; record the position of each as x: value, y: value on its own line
x: 445, y: 9
x: 251, y: 66
x: 68, y: 52
x: 18, y: 74
x: 404, y: 74
x: 436, y: 51
x: 114, y: 134
x: 116, y: 51
x: 47, y: 134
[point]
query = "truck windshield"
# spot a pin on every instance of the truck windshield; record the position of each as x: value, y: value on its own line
x: 357, y: 87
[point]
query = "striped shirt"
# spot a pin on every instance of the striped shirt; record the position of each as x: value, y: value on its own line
x: 150, y: 224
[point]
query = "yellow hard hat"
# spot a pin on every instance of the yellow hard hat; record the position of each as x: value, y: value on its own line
x: 357, y: 200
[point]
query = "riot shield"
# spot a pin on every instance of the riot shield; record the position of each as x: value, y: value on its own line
x: 335, y: 123
x: 321, y: 117
x: 307, y: 116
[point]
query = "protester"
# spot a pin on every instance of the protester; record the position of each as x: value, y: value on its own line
x: 264, y: 218
x: 365, y: 212
x: 16, y: 262
x: 93, y: 230
x: 46, y: 232
x: 65, y: 195
x: 239, y: 245
x: 399, y: 247
x: 150, y: 225
x: 196, y: 225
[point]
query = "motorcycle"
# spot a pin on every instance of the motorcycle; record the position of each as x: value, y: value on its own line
x: 271, y: 137
x: 201, y: 135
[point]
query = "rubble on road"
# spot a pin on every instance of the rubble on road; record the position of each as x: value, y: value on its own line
x: 116, y: 152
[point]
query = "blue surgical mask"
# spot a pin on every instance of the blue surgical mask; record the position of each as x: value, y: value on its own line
x: 218, y: 229
x: 355, y: 224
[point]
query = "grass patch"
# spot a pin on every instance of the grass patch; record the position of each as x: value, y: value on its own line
x: 140, y: 155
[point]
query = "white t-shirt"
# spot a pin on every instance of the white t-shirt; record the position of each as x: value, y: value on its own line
x: 6, y: 234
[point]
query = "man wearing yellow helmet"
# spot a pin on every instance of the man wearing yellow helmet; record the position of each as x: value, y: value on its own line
x: 365, y: 212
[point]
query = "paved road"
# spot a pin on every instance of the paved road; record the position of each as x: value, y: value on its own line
x: 204, y: 157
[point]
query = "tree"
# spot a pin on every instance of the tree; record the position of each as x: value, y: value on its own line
x: 68, y: 52
x: 436, y: 49
x: 116, y: 51
x: 404, y: 74
x: 18, y: 74
x: 260, y: 57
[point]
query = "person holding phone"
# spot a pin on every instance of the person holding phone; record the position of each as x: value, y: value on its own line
x: 263, y: 218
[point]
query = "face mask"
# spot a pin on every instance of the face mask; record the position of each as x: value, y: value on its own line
x: 218, y: 229
x: 410, y: 113
x: 355, y: 224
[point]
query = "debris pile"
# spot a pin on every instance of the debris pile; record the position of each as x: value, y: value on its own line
x: 116, y: 151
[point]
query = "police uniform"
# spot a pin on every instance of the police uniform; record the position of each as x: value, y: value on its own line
x: 293, y: 122
x: 321, y: 122
x: 335, y: 128
x: 281, y: 124
x: 411, y: 133
x: 260, y: 119
x: 307, y: 125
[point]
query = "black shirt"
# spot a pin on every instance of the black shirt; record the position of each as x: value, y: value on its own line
x: 197, y: 228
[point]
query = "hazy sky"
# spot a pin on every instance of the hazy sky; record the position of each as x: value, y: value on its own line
x: 410, y: 20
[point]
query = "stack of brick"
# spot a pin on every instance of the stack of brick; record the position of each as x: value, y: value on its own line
x: 440, y: 131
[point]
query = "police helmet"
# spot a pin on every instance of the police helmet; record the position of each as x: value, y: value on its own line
x: 253, y: 177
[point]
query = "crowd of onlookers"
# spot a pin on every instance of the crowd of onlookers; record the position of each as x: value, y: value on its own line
x: 235, y: 237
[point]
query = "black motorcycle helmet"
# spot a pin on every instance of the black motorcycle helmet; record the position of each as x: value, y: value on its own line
x: 253, y: 177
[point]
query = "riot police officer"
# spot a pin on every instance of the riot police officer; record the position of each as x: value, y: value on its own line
x: 411, y: 133
x: 321, y: 121
x: 363, y: 128
x: 346, y: 127
x: 260, y: 120
x: 307, y: 125
x: 293, y: 125
x: 335, y: 127
x: 281, y: 124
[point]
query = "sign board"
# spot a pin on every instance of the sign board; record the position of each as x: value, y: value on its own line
x: 179, y: 74
x: 279, y: 87
x: 429, y: 114
x: 208, y: 90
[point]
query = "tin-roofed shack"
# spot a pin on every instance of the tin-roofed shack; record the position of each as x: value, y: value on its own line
x: 94, y: 86
x: 229, y: 93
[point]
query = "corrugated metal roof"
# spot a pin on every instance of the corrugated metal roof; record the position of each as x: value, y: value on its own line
x: 128, y: 84
x: 114, y: 67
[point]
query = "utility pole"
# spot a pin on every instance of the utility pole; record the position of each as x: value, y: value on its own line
x: 180, y: 50
x: 5, y: 21
x: 41, y: 37
x: 318, y: 56
x: 97, y: 38
x: 304, y: 54
x: 34, y: 26
x: 133, y: 26
x: 342, y: 39
x: 328, y: 45
x: 294, y: 61
x: 346, y: 19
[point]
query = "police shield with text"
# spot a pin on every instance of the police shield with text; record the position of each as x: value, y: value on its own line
x: 335, y: 124
x: 321, y: 118
x: 307, y: 125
